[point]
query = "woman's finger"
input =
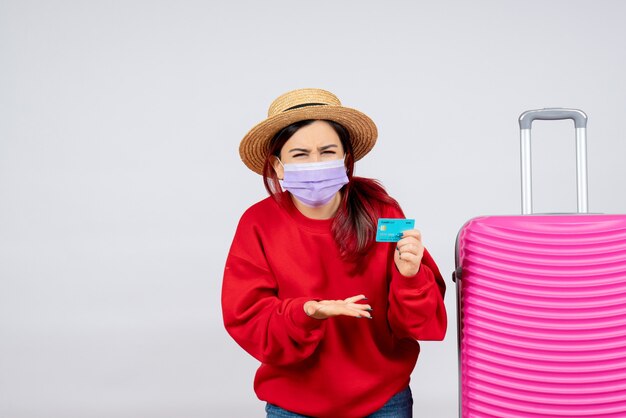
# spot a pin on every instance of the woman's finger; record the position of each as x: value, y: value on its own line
x: 408, y: 240
x: 357, y: 309
x: 360, y: 313
x: 410, y: 258
x: 360, y: 306
x: 410, y: 248
x: 354, y: 299
x: 415, y: 233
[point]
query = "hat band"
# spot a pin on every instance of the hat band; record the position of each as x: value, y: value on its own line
x: 305, y: 105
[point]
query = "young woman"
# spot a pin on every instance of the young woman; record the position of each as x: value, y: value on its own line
x: 332, y: 315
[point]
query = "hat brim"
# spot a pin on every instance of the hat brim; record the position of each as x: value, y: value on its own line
x: 254, y: 147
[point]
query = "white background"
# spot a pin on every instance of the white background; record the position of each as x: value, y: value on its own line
x: 121, y: 184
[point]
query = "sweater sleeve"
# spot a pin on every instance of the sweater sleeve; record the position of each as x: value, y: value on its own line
x: 273, y: 330
x: 416, y: 306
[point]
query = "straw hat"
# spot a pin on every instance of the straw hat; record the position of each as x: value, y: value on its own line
x: 300, y: 105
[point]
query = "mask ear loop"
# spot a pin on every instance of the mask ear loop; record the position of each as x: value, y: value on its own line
x: 281, y: 163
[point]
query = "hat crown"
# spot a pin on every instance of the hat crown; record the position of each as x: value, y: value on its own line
x: 300, y: 98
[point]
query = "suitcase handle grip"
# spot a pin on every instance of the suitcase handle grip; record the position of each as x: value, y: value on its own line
x: 578, y: 116
x: 580, y: 120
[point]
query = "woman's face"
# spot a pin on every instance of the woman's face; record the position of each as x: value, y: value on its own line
x: 311, y: 143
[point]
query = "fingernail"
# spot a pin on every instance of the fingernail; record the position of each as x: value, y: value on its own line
x: 370, y: 309
x: 359, y: 316
x: 369, y: 317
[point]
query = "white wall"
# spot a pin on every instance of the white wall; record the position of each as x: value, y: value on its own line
x: 121, y: 185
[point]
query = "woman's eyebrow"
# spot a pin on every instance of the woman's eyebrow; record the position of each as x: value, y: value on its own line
x: 324, y: 148
x: 299, y: 150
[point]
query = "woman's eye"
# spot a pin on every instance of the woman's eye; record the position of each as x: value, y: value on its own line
x: 299, y: 155
x: 328, y: 152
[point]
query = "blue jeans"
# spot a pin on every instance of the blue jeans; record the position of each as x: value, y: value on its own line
x: 399, y: 406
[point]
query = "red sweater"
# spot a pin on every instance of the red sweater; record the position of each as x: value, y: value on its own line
x: 337, y: 367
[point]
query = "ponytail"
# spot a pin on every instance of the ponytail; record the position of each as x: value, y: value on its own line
x: 355, y: 223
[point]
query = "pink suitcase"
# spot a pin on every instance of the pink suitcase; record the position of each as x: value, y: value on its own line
x: 542, y: 305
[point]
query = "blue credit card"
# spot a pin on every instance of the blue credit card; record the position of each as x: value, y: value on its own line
x: 390, y: 230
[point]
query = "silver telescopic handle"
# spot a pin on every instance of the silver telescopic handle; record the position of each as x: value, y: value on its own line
x: 580, y: 120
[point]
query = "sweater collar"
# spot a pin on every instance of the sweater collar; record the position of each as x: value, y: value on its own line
x: 321, y: 225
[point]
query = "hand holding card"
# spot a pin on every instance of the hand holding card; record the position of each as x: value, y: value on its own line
x: 409, y: 253
x: 409, y: 248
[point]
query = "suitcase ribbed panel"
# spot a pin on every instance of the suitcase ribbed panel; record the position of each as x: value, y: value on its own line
x: 543, y: 316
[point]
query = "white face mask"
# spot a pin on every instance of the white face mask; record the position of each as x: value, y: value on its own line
x: 314, y: 184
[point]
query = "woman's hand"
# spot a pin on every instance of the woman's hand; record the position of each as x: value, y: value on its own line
x: 409, y: 252
x: 347, y: 307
